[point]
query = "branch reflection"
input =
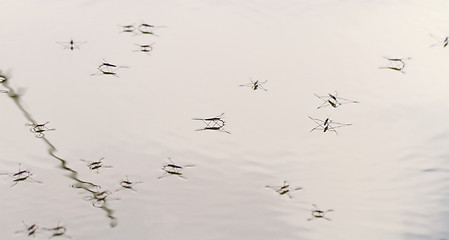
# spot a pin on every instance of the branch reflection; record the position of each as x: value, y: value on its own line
x: 15, y: 95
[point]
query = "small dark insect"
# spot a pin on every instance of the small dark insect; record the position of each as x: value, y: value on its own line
x: 106, y: 68
x: 127, y: 28
x: 127, y: 184
x: 58, y: 231
x: 31, y: 230
x: 333, y: 100
x: 173, y: 169
x: 326, y: 125
x: 99, y: 198
x: 106, y: 64
x: 255, y: 84
x: 145, y: 25
x: 95, y: 165
x: 145, y: 48
x: 172, y: 166
x: 397, y: 64
x: 147, y: 29
x: 284, y: 189
x: 317, y: 213
x: 214, y: 123
x: 20, y: 176
x: 39, y: 128
x: 105, y: 71
x: 71, y: 44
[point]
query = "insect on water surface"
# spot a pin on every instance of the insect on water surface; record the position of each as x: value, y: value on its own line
x: 71, y: 44
x: 95, y: 165
x: 333, y: 100
x: 39, y: 128
x: 173, y: 169
x: 285, y: 189
x: 397, y: 64
x: 317, y: 213
x: 106, y: 68
x: 147, y: 29
x: 58, y: 231
x: 255, y: 84
x: 30, y: 230
x: 213, y: 123
x: 145, y: 48
x: 127, y: 184
x: 127, y: 28
x: 99, y: 198
x: 21, y: 176
x: 327, y: 125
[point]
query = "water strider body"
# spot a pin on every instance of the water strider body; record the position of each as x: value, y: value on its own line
x: 95, y: 165
x: 285, y: 189
x: 255, y: 85
x: 127, y: 184
x: 333, y: 100
x: 173, y: 169
x: 106, y: 68
x: 397, y: 64
x: 31, y: 230
x: 214, y: 123
x: 58, y: 231
x: 317, y: 213
x: 325, y: 125
x: 20, y: 176
x: 39, y: 128
x: 127, y: 28
x: 145, y: 48
x: 72, y: 45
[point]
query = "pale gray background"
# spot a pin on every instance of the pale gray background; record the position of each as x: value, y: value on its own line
x: 386, y: 176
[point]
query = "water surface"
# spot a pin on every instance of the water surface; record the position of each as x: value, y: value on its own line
x: 385, y: 175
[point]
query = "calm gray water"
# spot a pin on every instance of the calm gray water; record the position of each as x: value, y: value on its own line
x: 385, y: 176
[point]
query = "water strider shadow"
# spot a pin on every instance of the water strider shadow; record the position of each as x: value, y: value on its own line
x: 87, y: 186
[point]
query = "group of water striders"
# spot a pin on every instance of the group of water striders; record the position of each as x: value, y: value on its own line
x: 98, y: 197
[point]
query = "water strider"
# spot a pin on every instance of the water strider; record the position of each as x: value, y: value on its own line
x: 172, y: 169
x: 71, y: 44
x: 333, y: 100
x: 397, y: 64
x: 95, y: 165
x: 327, y: 125
x: 317, y: 213
x: 255, y: 84
x: 39, y: 128
x: 285, y: 189
x: 213, y: 123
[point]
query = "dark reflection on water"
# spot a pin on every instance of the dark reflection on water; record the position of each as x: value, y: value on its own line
x: 87, y: 186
